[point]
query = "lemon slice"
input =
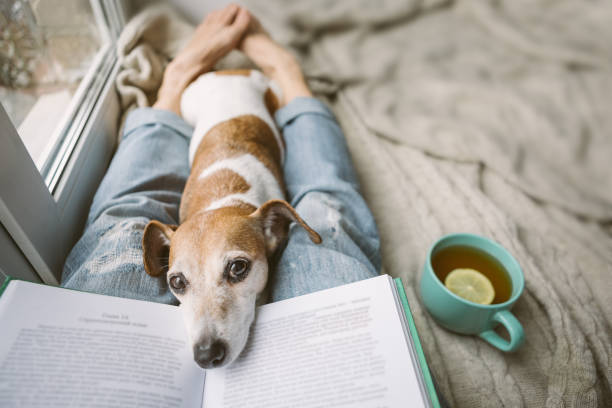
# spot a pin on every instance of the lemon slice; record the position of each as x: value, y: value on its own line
x: 471, y: 285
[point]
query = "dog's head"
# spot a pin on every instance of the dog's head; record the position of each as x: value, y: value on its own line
x: 216, y: 264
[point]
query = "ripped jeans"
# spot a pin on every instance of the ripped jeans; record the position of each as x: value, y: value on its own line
x: 148, y: 173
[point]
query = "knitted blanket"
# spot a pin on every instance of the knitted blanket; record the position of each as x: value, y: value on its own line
x: 490, y: 117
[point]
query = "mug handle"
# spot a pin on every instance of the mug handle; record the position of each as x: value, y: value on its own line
x: 517, y: 336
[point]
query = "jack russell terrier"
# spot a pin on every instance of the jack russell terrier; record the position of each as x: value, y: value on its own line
x: 232, y: 217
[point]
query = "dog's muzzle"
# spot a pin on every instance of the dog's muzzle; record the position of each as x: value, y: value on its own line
x: 209, y: 354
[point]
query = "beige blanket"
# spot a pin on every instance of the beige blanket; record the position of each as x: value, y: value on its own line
x: 492, y: 117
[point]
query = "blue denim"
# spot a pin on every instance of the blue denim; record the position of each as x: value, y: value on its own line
x: 148, y: 173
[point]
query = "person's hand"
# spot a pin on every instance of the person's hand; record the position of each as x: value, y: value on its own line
x: 219, y: 33
x: 275, y: 61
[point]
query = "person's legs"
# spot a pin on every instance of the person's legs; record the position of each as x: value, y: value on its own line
x: 323, y: 188
x: 321, y: 184
x: 144, y: 181
x: 149, y: 170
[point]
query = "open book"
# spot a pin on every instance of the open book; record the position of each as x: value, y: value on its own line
x: 350, y: 346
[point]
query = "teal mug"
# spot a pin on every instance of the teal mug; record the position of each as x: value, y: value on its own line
x: 463, y: 316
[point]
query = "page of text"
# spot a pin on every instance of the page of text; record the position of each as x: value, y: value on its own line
x: 343, y: 347
x: 63, y: 348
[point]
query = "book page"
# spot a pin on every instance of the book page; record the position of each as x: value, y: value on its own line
x: 66, y: 348
x: 341, y: 347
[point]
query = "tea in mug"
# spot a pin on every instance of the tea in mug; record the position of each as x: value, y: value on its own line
x: 445, y: 260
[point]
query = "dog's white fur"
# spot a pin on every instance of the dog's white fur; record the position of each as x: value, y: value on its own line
x: 212, y: 99
x: 264, y: 185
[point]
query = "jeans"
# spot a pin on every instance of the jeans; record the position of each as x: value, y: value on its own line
x: 146, y: 178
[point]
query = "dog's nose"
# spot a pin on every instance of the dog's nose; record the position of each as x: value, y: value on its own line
x: 209, y: 356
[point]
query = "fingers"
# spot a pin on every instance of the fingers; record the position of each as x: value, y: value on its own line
x: 228, y: 13
x: 242, y: 21
x: 218, y: 34
x: 221, y: 17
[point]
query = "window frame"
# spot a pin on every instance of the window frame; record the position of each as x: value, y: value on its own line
x: 44, y: 216
x: 106, y: 14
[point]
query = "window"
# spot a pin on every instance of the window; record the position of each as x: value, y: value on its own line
x: 55, y: 55
x: 58, y: 120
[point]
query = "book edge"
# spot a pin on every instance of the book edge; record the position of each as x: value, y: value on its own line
x: 7, y: 280
x: 433, y: 395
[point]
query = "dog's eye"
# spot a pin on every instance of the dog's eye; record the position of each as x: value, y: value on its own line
x: 178, y: 283
x: 237, y: 270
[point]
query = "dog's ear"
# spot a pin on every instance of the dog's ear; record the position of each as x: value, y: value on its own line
x: 275, y: 216
x: 156, y: 247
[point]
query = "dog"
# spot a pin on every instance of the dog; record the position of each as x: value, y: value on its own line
x: 233, y: 217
